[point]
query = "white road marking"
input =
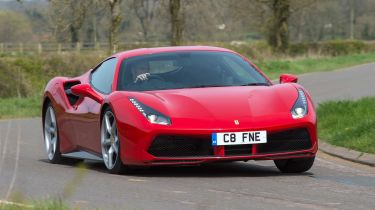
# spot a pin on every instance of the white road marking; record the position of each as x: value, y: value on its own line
x: 178, y: 192
x: 14, y: 176
x: 1, y: 141
x: 137, y: 180
x: 4, y: 151
x: 15, y: 204
x: 188, y: 202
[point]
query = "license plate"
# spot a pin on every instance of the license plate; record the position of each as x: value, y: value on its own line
x: 238, y: 138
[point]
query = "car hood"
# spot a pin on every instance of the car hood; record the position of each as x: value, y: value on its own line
x: 223, y: 104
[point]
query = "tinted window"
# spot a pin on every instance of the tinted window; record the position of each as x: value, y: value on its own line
x: 195, y: 69
x: 102, y: 77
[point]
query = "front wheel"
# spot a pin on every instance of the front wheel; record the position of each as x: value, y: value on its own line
x: 297, y: 165
x: 110, y: 143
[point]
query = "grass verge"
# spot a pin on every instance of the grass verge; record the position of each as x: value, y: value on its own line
x: 20, y: 107
x: 348, y: 124
x: 37, y: 205
x: 273, y: 68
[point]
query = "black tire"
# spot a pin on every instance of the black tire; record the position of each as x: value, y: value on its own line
x: 117, y: 167
x: 297, y: 165
x: 56, y: 156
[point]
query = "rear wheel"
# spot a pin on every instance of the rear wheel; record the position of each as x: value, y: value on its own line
x: 51, y: 137
x: 297, y: 165
x: 110, y: 143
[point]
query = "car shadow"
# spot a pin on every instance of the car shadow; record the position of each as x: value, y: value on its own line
x: 75, y: 163
x: 228, y: 169
x: 225, y: 169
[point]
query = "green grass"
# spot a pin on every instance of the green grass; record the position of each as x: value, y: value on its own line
x: 273, y: 68
x: 20, y: 107
x: 36, y: 205
x: 349, y: 124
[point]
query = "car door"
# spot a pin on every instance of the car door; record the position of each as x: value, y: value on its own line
x: 87, y: 120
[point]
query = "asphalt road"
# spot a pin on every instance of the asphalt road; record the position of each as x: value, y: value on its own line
x: 331, y: 184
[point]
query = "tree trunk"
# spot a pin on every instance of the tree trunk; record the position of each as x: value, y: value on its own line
x: 176, y: 22
x: 144, y: 30
x: 352, y: 19
x: 301, y: 23
x: 74, y: 34
x: 115, y: 24
x: 278, y: 33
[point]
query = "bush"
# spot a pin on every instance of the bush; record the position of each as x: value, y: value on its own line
x: 24, y: 76
x: 336, y: 48
x: 328, y: 48
x: 11, y: 80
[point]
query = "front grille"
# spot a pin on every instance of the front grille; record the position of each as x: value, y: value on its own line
x: 193, y: 146
x: 234, y: 150
x: 286, y: 141
x: 181, y: 146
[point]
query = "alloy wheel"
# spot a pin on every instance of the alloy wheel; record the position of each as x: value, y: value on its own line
x: 109, y: 140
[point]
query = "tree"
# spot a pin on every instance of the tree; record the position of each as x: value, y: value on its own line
x: 176, y: 22
x: 277, y: 27
x: 353, y: 7
x: 270, y: 16
x: 69, y: 15
x: 14, y: 27
x: 145, y: 10
x: 96, y: 13
x: 298, y: 18
x: 115, y: 21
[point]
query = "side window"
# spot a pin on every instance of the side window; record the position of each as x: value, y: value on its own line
x: 102, y: 77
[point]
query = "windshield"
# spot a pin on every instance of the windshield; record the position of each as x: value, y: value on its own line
x: 193, y: 69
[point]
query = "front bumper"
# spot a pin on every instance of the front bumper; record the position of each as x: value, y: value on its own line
x: 187, y: 147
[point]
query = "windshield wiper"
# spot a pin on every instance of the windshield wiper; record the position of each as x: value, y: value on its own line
x: 256, y: 84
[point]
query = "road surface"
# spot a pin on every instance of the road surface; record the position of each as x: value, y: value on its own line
x: 332, y: 183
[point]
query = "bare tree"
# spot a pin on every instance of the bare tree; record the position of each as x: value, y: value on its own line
x: 116, y: 18
x: 70, y: 15
x: 277, y: 28
x: 145, y: 10
x: 352, y: 8
x: 176, y: 22
x: 299, y: 18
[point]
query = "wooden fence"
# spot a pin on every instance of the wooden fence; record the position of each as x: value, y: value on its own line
x: 39, y: 48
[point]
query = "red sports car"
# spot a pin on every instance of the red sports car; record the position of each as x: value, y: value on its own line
x: 179, y: 106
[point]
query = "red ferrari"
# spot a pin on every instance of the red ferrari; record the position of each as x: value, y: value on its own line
x: 179, y: 106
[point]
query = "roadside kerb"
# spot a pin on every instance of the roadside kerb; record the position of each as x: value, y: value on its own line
x: 347, y: 154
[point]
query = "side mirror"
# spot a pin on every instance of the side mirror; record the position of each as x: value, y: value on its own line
x: 85, y: 90
x: 288, y: 78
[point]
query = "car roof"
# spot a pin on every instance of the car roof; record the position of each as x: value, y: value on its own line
x: 147, y: 51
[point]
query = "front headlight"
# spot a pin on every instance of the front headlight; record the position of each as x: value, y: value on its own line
x: 150, y: 114
x: 300, y: 109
